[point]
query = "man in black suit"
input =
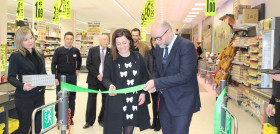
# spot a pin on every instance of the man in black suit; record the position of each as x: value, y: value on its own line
x: 174, y: 79
x: 95, y: 65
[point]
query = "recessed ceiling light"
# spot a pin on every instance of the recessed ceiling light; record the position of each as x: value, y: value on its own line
x: 193, y: 12
x: 188, y: 18
x: 191, y: 15
x: 197, y: 9
x: 199, y: 4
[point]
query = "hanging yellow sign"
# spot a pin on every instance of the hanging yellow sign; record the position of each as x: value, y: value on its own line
x: 20, y: 10
x: 150, y: 11
x: 56, y: 18
x: 3, y: 56
x: 66, y: 11
x: 210, y: 8
x: 143, y: 19
x: 39, y: 10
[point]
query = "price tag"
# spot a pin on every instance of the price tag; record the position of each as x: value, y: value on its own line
x: 210, y: 8
x: 67, y: 9
x: 20, y: 10
x: 39, y: 10
x: 84, y: 32
x: 56, y: 18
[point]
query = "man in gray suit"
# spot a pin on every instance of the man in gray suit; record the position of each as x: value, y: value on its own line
x: 95, y: 65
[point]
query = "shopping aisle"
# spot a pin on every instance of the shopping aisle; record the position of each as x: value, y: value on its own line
x: 202, y: 122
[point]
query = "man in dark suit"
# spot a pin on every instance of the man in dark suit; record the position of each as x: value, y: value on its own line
x: 175, y: 80
x: 95, y: 65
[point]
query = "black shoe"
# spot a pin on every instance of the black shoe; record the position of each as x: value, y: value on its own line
x: 154, y: 123
x: 101, y: 124
x: 72, y: 122
x: 158, y: 126
x: 87, y: 125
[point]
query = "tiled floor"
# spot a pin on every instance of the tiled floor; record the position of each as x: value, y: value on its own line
x: 202, y: 122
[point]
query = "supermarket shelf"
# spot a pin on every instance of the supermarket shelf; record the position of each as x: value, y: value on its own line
x: 251, y: 99
x: 240, y: 63
x: 251, y: 112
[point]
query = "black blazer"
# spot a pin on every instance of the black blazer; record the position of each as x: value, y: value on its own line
x: 149, y: 61
x: 93, y: 63
x: 20, y: 65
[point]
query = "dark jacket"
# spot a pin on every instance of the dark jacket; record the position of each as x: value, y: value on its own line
x: 21, y: 65
x: 66, y: 61
x: 93, y: 63
x: 149, y: 61
x: 177, y: 82
x: 114, y: 104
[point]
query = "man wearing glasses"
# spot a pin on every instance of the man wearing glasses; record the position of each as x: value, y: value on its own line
x: 174, y: 78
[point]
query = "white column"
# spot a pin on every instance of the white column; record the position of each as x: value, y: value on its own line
x: 68, y: 25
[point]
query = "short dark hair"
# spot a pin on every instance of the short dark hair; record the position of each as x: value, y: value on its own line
x: 68, y: 33
x: 119, y: 33
x: 136, y: 29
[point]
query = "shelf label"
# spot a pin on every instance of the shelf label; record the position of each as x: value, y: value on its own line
x: 47, y: 117
x: 210, y: 8
x: 39, y: 10
x: 3, y: 57
x: 56, y: 18
x: 20, y: 10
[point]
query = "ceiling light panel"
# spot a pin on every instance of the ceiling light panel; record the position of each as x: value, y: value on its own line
x: 197, y: 9
x: 199, y: 4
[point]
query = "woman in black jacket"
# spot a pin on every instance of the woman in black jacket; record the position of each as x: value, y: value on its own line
x: 149, y: 61
x: 123, y: 69
x: 26, y: 60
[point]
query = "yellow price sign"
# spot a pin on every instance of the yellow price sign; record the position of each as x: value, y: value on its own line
x: 20, y: 10
x: 210, y: 8
x: 39, y: 10
x: 3, y: 56
x: 67, y: 9
x: 84, y: 32
x: 150, y: 11
x: 56, y: 18
x: 143, y: 19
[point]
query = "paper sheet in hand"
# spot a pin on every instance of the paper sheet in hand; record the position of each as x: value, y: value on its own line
x: 39, y: 80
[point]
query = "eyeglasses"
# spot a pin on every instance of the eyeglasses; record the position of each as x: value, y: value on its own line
x: 160, y: 38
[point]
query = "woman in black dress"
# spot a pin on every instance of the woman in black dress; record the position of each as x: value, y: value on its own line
x: 125, y: 68
x: 26, y: 60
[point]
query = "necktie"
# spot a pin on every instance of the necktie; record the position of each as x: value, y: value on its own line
x: 102, y: 58
x: 164, y: 59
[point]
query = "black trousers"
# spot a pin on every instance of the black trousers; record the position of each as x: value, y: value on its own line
x: 71, y: 79
x: 155, y: 104
x: 91, y: 105
x: 24, y: 108
x: 277, y: 116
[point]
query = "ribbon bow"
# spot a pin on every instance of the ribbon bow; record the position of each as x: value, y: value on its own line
x: 128, y: 65
x: 134, y: 108
x: 129, y: 100
x: 134, y: 72
x: 130, y: 82
x: 129, y: 116
x: 123, y: 74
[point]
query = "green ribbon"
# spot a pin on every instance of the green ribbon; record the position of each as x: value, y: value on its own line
x: 74, y: 88
x: 217, y: 113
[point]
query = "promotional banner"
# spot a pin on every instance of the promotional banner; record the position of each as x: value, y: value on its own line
x: 20, y: 10
x: 39, y: 10
x: 65, y: 9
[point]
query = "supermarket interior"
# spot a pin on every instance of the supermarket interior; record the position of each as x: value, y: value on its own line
x: 236, y: 41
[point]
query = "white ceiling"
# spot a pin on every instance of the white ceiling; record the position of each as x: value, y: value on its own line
x: 111, y: 16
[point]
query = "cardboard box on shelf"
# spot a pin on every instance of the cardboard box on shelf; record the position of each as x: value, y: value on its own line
x: 250, y: 16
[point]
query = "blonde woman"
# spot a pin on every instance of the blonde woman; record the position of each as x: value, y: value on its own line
x: 26, y: 60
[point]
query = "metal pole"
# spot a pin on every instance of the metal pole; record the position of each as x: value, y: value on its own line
x: 63, y: 107
x: 223, y: 112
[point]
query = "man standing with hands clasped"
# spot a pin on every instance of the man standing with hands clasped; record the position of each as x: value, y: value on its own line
x: 67, y: 61
x: 174, y: 78
x: 95, y: 65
